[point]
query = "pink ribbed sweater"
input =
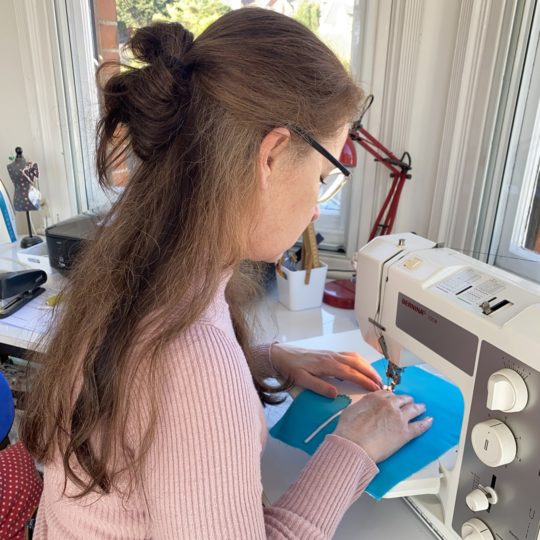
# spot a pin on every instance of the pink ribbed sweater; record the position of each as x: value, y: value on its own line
x: 202, y: 475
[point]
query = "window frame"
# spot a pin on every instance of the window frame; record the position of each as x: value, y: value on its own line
x: 78, y: 64
x: 521, y: 170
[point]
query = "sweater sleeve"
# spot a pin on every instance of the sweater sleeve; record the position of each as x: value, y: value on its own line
x: 332, y: 480
x: 202, y: 474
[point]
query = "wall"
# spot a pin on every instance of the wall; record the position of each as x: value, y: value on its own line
x: 14, y: 115
x: 405, y: 61
x: 435, y: 68
x: 32, y: 107
x: 427, y: 111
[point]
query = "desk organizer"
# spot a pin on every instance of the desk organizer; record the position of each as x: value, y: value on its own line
x: 294, y: 294
x: 36, y: 257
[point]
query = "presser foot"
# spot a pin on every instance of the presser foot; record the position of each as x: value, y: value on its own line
x: 393, y: 374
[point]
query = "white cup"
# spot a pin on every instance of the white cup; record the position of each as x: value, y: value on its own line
x: 294, y: 294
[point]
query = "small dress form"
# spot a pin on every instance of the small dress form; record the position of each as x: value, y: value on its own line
x: 24, y: 175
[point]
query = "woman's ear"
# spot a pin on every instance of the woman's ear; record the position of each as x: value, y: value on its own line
x: 272, y: 155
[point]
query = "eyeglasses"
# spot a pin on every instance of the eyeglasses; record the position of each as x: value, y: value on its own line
x: 336, y: 178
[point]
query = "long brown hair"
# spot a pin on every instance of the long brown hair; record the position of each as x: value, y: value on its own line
x: 191, y: 115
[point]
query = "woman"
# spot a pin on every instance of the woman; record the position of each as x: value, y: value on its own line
x: 147, y: 413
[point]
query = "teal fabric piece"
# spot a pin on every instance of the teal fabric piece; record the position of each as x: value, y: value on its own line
x: 443, y: 401
x: 306, y: 413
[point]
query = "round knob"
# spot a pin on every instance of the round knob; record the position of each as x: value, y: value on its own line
x: 475, y: 529
x: 507, y: 391
x: 480, y: 498
x: 493, y: 443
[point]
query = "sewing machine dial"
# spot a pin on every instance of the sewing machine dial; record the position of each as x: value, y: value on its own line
x: 494, y: 443
x: 499, y: 478
x: 480, y: 498
x: 507, y: 391
x: 475, y: 529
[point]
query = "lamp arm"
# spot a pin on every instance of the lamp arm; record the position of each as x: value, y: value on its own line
x: 399, y: 171
x: 381, y: 154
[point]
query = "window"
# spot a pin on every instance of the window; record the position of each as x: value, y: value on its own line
x: 107, y: 24
x: 517, y: 234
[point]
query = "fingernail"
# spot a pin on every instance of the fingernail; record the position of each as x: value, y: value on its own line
x: 429, y: 419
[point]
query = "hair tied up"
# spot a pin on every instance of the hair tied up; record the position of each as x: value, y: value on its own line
x: 176, y: 66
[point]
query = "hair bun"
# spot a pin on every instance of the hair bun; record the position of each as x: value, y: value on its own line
x: 161, y: 41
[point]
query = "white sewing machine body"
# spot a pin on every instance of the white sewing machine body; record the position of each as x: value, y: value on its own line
x: 479, y: 327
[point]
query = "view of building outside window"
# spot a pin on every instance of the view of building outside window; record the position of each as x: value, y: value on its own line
x: 331, y: 20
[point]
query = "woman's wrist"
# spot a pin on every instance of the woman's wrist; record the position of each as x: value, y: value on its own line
x: 273, y: 353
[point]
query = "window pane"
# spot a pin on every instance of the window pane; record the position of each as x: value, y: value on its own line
x: 532, y: 240
x: 517, y: 244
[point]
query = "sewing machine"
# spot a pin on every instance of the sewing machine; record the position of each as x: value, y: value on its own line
x: 479, y: 327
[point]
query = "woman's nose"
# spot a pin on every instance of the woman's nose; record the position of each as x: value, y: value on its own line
x: 316, y: 214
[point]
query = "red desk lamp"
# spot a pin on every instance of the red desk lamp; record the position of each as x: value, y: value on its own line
x: 340, y: 293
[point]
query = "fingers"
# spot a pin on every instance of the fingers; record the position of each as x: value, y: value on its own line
x: 421, y: 426
x: 413, y: 410
x: 344, y: 366
x: 400, y: 400
x: 315, y: 384
x: 356, y: 362
x: 360, y: 379
x: 345, y: 372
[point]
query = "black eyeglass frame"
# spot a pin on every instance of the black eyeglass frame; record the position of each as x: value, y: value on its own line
x: 322, y: 150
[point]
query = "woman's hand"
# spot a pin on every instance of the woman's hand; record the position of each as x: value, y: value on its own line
x: 381, y: 423
x: 306, y: 367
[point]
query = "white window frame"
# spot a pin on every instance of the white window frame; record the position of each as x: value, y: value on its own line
x: 79, y: 66
x: 520, y: 174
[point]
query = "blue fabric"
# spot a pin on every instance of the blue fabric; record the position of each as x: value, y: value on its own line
x: 7, y: 408
x: 307, y: 412
x: 443, y: 401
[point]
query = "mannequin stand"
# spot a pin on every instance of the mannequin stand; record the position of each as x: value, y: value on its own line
x: 30, y: 240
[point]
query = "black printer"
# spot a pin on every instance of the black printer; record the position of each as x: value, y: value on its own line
x: 66, y: 238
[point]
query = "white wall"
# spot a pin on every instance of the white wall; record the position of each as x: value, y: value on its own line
x: 15, y: 121
x: 406, y: 62
x: 29, y: 104
x: 435, y: 68
x: 427, y: 112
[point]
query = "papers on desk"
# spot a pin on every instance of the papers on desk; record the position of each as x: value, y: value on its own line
x: 34, y: 317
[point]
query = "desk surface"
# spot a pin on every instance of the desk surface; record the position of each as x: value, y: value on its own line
x: 12, y: 339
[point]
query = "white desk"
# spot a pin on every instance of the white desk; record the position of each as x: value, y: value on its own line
x: 16, y: 340
x: 366, y: 519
